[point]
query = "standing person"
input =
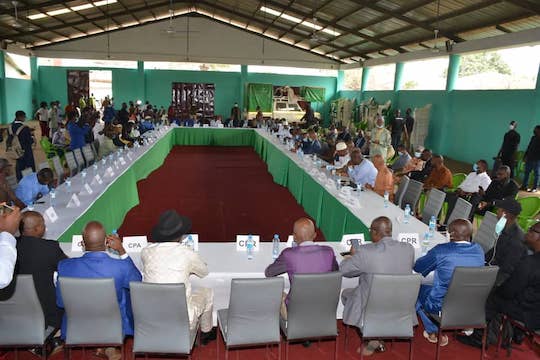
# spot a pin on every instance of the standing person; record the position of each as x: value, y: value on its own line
x: 509, y: 147
x: 43, y: 116
x: 309, y: 116
x: 235, y: 115
x: 409, y: 125
x: 54, y: 116
x: 398, y: 128
x: 532, y: 162
x: 380, y: 139
x: 24, y: 135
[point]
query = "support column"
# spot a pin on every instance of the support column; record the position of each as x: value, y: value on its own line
x: 141, y: 79
x: 340, y: 81
x: 453, y: 71
x: 365, y: 77
x: 34, y: 75
x: 242, y: 101
x: 3, y: 110
x: 398, y: 78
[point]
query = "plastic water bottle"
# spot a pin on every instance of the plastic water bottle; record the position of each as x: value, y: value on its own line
x: 300, y: 153
x: 114, y: 232
x: 386, y: 198
x: 275, y: 247
x: 52, y: 194
x: 68, y: 184
x: 425, y: 243
x: 407, y: 214
x: 190, y: 243
x: 249, y: 247
x: 432, y: 225
x: 83, y: 175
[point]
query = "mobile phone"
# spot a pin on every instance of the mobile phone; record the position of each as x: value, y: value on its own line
x: 5, y: 209
x: 345, y: 253
x: 355, y: 243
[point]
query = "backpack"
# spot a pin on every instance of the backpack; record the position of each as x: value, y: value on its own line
x: 14, y: 149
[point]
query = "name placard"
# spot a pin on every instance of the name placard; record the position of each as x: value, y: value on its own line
x: 195, y: 238
x: 134, y: 243
x: 96, y: 181
x: 86, y: 190
x: 109, y: 172
x: 347, y: 239
x: 74, y: 202
x: 290, y: 241
x: 51, y: 215
x: 122, y: 161
x: 242, y: 239
x: 411, y: 238
x: 77, y: 243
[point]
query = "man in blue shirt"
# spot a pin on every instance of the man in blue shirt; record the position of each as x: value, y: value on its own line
x: 443, y: 259
x: 77, y: 132
x: 312, y: 145
x: 96, y: 263
x: 35, y: 185
x: 360, y: 170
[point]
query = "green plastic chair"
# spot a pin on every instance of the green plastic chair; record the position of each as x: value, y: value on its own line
x: 49, y: 149
x: 457, y: 179
x: 530, y: 208
x: 519, y: 170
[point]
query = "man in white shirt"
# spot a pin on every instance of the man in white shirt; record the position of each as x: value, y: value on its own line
x: 168, y: 261
x: 43, y: 116
x: 9, y: 224
x: 476, y: 180
x: 341, y: 157
x: 360, y: 170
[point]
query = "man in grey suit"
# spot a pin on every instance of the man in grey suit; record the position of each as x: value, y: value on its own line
x: 383, y: 256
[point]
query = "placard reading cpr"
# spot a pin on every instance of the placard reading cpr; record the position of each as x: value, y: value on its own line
x: 411, y: 238
x: 134, y: 243
x: 242, y: 239
x: 347, y: 238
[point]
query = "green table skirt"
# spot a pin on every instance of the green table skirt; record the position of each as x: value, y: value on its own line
x: 110, y: 208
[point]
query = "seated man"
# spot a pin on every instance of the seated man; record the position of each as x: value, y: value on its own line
x: 169, y: 261
x: 34, y: 186
x: 60, y: 138
x: 7, y: 194
x: 502, y: 187
x: 39, y: 257
x: 360, y: 170
x: 312, y: 145
x: 443, y: 259
x: 470, y: 187
x: 440, y: 176
x: 423, y: 173
x: 360, y: 141
x: 403, y: 158
x: 384, y: 182
x: 341, y: 157
x: 305, y: 258
x: 509, y: 248
x: 96, y: 263
x: 383, y: 255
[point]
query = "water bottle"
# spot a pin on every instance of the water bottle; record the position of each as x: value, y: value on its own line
x: 83, y: 176
x: 190, y: 243
x: 432, y: 225
x: 249, y: 247
x: 407, y: 214
x: 68, y: 184
x: 275, y: 247
x: 425, y: 243
x: 386, y: 198
x: 112, y: 251
x: 52, y: 194
x: 300, y: 153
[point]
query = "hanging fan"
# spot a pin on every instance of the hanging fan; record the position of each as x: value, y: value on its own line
x: 170, y: 30
x: 16, y: 23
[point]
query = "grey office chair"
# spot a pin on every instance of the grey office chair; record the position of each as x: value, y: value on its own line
x: 79, y: 158
x: 464, y: 306
x: 390, y: 308
x: 486, y: 236
x: 71, y: 163
x: 95, y: 149
x: 12, y: 181
x: 58, y: 168
x: 22, y: 323
x: 88, y: 154
x: 412, y: 194
x: 462, y: 210
x: 311, y: 308
x: 433, y: 205
x: 161, y: 319
x: 92, y: 312
x: 253, y: 314
x: 401, y: 190
x: 26, y: 172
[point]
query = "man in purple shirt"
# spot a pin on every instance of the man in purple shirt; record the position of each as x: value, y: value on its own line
x: 305, y: 258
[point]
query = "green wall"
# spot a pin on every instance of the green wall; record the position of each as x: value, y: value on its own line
x: 18, y: 97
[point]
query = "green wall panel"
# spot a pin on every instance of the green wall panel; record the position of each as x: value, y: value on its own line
x: 18, y: 97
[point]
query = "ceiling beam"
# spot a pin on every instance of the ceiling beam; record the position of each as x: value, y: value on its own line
x: 129, y: 12
x: 27, y: 7
x: 503, y: 29
x: 275, y: 18
x: 533, y: 7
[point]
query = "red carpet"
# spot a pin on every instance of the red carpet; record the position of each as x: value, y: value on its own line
x: 399, y: 350
x: 224, y: 190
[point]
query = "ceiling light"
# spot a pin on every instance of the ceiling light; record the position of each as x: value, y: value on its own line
x: 104, y: 2
x: 58, y: 12
x: 296, y: 20
x: 37, y: 16
x: 82, y: 7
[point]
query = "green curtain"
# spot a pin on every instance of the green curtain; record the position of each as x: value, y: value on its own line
x: 260, y: 95
x: 313, y: 94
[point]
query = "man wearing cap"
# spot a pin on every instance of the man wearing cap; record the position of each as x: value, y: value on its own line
x: 168, y: 261
x: 342, y: 157
x: 509, y: 248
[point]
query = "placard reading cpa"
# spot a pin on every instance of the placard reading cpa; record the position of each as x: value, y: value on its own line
x: 347, y: 238
x: 195, y: 238
x: 134, y: 243
x: 242, y: 239
x: 411, y: 238
x: 77, y: 243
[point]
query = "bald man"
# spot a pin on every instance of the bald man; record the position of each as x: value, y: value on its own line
x: 97, y: 262
x: 384, y: 181
x: 39, y: 257
x: 304, y: 258
x: 443, y: 259
x: 383, y: 255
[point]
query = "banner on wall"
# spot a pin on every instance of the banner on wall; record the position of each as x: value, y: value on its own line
x: 193, y: 99
x: 260, y: 95
x: 78, y: 85
x: 313, y: 94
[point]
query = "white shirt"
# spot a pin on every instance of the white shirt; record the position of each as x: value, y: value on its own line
x: 8, y: 257
x: 363, y: 174
x: 43, y: 114
x: 474, y: 180
x: 343, y: 160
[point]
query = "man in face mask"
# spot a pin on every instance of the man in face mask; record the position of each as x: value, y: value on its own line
x: 402, y: 160
x: 508, y: 150
x: 380, y: 139
x: 509, y: 248
x: 501, y: 187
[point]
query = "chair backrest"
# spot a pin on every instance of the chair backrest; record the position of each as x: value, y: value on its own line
x: 43, y: 165
x: 462, y: 210
x: 253, y: 316
x: 401, y: 190
x: 95, y: 148
x: 93, y: 315
x: 390, y: 306
x: 313, y: 294
x: 412, y: 194
x: 46, y: 145
x: 161, y: 318
x: 88, y: 154
x: 457, y: 179
x: 12, y: 181
x: 71, y: 163
x: 433, y: 205
x: 79, y: 158
x: 530, y: 206
x: 21, y: 317
x: 58, y: 168
x: 486, y: 236
x: 464, y: 305
x: 27, y: 171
